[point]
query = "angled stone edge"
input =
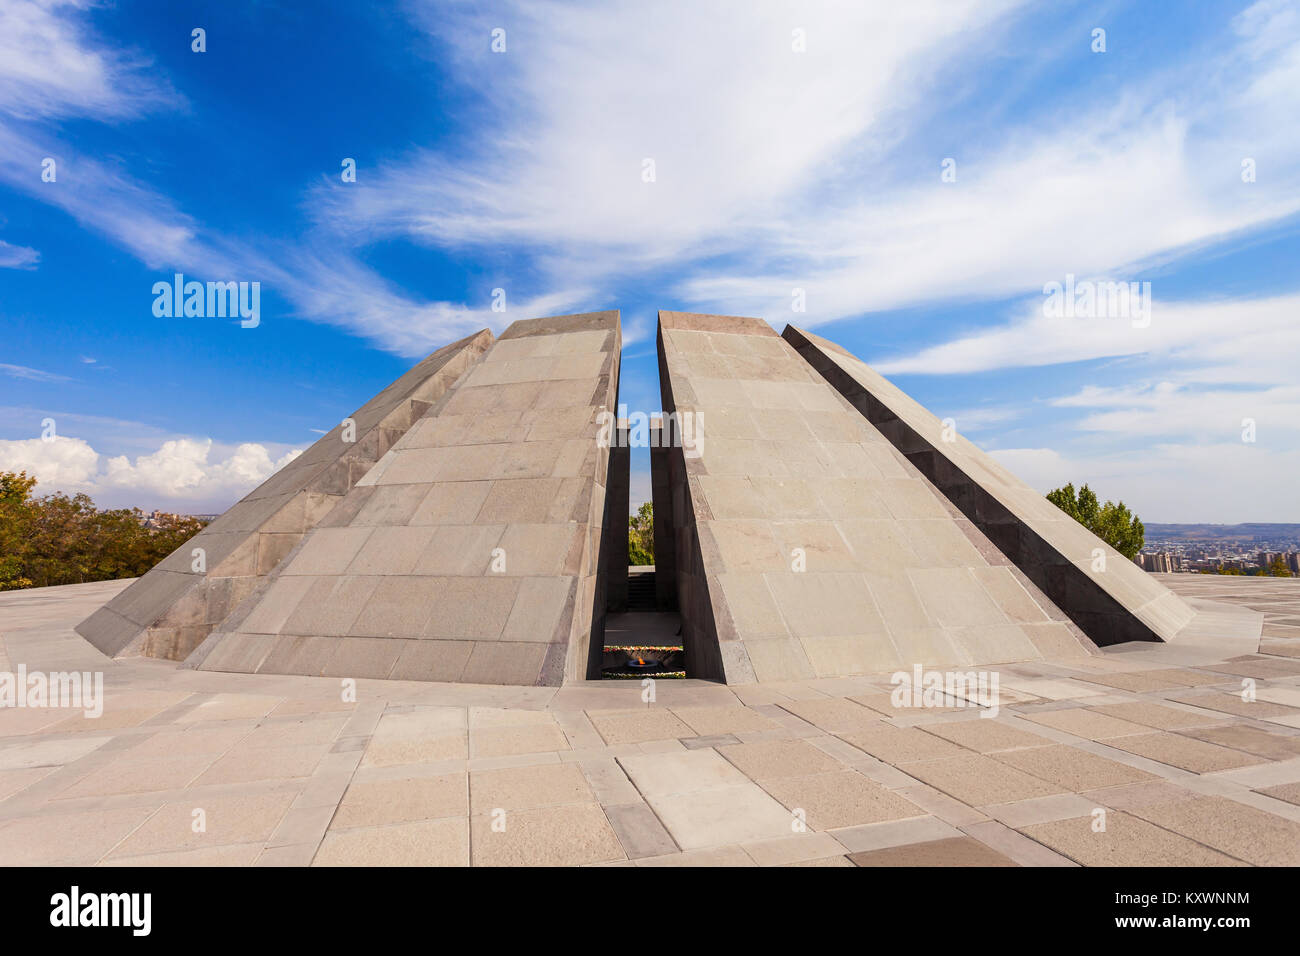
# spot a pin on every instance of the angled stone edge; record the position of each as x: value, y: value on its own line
x: 473, y: 552
x: 1118, y: 604
x: 173, y: 608
x: 806, y: 545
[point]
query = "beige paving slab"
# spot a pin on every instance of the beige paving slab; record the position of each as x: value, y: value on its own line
x: 800, y: 848
x: 139, y: 775
x: 1060, y: 806
x: 1015, y: 845
x: 224, y: 820
x: 779, y: 758
x: 1243, y: 832
x: 836, y: 715
x: 526, y: 788
x: 384, y: 802
x: 15, y: 781
x: 1090, y: 723
x: 1279, y: 694
x: 897, y: 745
x: 294, y: 733
x: 400, y: 750
x: 1259, y: 708
x: 1128, y: 796
x: 1183, y: 752
x: 1253, y: 740
x: 25, y: 754
x: 683, y: 772
x: 230, y: 707
x: 15, y: 722
x: 886, y: 703
x: 638, y: 726
x: 955, y: 851
x: 572, y: 835
x: 1138, y: 681
x: 111, y: 719
x: 1290, y: 792
x: 1151, y: 714
x: 978, y: 780
x: 242, y: 765
x: 209, y: 739
x: 508, y: 741
x: 839, y: 799
x: 723, y: 720
x: 733, y: 814
x: 1071, y: 768
x: 74, y: 839
x: 1126, y: 841
x: 874, y: 836
x: 422, y: 843
x: 985, y: 736
x: 488, y: 718
x: 300, y: 706
x: 238, y: 855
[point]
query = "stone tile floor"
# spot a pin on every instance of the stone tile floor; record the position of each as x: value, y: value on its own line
x: 211, y: 769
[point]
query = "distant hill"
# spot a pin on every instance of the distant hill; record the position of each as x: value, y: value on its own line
x: 1255, y: 531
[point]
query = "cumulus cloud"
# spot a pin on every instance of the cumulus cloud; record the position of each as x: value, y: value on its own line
x: 193, y: 474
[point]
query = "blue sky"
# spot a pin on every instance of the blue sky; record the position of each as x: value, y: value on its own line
x: 775, y: 169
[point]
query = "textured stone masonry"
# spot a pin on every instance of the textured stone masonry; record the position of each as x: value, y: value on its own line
x: 471, y: 551
x: 172, y: 609
x: 1112, y: 602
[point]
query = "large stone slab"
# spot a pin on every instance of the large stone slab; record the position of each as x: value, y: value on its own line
x: 173, y: 608
x: 805, y: 545
x: 472, y: 551
x: 1111, y: 599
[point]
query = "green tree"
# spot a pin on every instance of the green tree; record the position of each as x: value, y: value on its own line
x: 1227, y: 569
x: 15, y: 528
x: 641, y: 535
x: 1278, y: 568
x: 62, y: 539
x: 1112, y: 522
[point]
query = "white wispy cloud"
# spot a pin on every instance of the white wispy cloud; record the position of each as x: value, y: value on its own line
x: 1231, y: 340
x: 17, y: 257
x: 52, y: 66
x: 31, y: 374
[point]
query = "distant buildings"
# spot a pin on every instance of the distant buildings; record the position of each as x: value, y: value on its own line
x: 156, y: 519
x: 1162, y: 561
x: 1208, y: 553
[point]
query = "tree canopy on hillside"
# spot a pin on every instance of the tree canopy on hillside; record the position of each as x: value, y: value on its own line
x: 62, y: 539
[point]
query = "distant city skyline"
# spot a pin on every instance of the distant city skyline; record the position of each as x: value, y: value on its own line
x: 1079, y: 246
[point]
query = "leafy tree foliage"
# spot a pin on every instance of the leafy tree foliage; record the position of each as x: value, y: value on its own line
x: 61, y: 539
x: 641, y: 535
x: 1278, y: 568
x: 1113, y: 523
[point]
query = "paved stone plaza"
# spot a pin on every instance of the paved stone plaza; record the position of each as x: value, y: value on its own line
x: 416, y: 773
x: 389, y: 652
